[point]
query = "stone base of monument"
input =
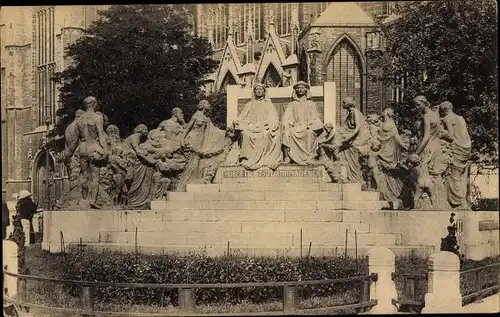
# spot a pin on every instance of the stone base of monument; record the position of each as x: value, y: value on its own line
x: 268, y: 213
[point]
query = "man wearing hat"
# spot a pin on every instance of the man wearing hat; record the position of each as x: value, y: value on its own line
x: 301, y: 125
x: 27, y: 208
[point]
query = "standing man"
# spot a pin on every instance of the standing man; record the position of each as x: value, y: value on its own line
x: 5, y: 219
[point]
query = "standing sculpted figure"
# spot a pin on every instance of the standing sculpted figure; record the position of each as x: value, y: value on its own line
x: 460, y: 142
x: 172, y: 129
x: 301, y: 125
x: 354, y: 136
x: 92, y: 150
x: 390, y: 180
x: 429, y: 149
x: 259, y: 127
x: 118, y: 165
x: 203, y: 142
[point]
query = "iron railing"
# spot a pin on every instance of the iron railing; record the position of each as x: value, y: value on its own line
x: 187, y: 296
x: 483, y: 287
x: 409, y: 297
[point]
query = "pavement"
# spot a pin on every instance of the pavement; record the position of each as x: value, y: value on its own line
x: 489, y: 304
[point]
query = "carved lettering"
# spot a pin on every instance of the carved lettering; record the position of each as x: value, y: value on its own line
x: 488, y: 225
x: 272, y: 174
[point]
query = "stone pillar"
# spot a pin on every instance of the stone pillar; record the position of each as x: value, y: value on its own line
x: 381, y: 261
x: 10, y: 259
x: 26, y: 229
x: 232, y: 104
x: 330, y: 99
x: 443, y: 290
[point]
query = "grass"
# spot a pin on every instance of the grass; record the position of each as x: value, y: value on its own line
x: 45, y: 264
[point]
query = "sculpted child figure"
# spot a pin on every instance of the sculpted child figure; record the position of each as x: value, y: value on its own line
x: 326, y: 143
x: 417, y: 167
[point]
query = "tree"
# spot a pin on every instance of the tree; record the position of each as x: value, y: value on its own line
x: 447, y: 50
x: 139, y: 61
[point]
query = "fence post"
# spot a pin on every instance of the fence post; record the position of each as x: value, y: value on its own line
x: 289, y: 298
x: 10, y: 259
x: 381, y: 261
x: 187, y: 300
x: 443, y: 294
x: 87, y: 302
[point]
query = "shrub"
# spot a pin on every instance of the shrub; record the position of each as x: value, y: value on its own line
x: 485, y: 204
x: 199, y: 268
x: 19, y: 238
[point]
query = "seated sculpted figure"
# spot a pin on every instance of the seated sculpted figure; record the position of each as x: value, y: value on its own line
x: 172, y: 129
x: 301, y: 125
x: 259, y: 127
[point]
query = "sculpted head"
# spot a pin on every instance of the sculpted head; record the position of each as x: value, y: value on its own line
x: 388, y: 112
x: 79, y: 113
x: 348, y: 103
x: 178, y: 114
x: 446, y: 107
x: 142, y: 129
x: 259, y: 91
x: 113, y: 131
x: 421, y: 102
x: 375, y: 146
x: 204, y: 105
x: 328, y: 127
x: 301, y: 88
x: 414, y: 159
x: 90, y: 102
x: 373, y: 119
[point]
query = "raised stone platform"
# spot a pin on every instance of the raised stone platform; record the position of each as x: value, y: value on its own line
x: 264, y: 213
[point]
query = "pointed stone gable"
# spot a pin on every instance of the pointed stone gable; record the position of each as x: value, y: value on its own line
x: 344, y: 13
x: 230, y: 62
x: 272, y: 54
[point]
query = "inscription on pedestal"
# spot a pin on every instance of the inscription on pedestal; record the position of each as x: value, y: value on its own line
x: 487, y: 225
x: 272, y: 174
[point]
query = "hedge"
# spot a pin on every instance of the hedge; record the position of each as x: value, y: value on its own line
x: 199, y: 268
x: 485, y: 204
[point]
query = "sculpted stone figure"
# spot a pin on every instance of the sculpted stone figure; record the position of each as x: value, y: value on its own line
x: 326, y: 143
x: 390, y: 180
x: 430, y: 148
x: 233, y: 155
x: 203, y: 142
x: 71, y: 140
x: 460, y: 147
x: 353, y: 139
x: 418, y: 173
x: 301, y: 124
x: 92, y: 150
x: 140, y: 171
x: 118, y: 164
x: 259, y: 127
x: 172, y: 129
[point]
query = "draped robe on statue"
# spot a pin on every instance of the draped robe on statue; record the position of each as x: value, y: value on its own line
x: 259, y: 146
x: 389, y: 182
x: 460, y: 148
x: 349, y: 155
x: 302, y: 143
x: 139, y: 194
x: 207, y: 144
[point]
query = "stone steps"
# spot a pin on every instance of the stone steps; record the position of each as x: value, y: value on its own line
x: 267, y: 186
x: 248, y: 205
x: 250, y: 239
x: 422, y: 251
x: 245, y: 227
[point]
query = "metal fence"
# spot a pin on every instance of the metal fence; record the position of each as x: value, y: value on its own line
x: 187, y: 296
x: 411, y: 295
x: 481, y: 286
